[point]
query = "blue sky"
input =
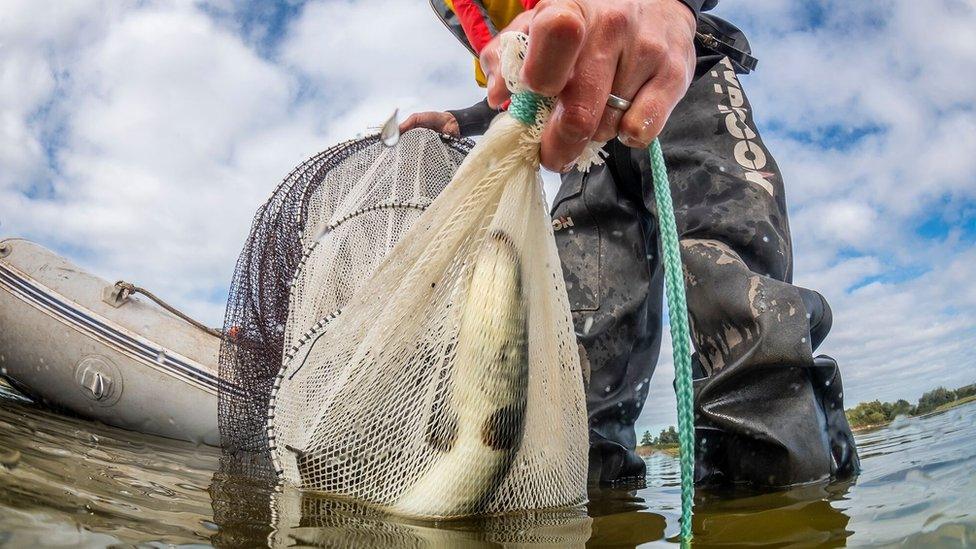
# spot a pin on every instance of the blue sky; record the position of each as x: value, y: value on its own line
x: 139, y: 137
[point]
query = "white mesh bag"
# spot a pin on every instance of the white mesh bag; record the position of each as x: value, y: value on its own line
x: 450, y: 384
x: 321, y: 521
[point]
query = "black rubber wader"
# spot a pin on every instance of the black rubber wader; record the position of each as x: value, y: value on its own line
x: 767, y: 413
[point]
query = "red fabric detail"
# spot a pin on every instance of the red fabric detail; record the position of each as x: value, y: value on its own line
x: 474, y: 23
x: 529, y: 4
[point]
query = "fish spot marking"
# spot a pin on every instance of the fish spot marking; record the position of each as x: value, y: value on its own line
x: 503, y: 429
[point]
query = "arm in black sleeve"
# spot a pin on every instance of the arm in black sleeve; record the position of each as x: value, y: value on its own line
x: 698, y: 6
x: 475, y: 119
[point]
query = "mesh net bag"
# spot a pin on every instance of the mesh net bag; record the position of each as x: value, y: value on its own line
x: 362, y: 191
x: 450, y: 384
x: 321, y: 521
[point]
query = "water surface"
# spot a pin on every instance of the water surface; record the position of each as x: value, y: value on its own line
x: 69, y: 482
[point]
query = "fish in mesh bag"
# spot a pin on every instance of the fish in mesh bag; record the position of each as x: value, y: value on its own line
x: 449, y: 384
x: 359, y: 196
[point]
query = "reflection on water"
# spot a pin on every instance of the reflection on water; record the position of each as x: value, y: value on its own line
x: 69, y: 482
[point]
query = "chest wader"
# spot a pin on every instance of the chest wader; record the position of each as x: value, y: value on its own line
x: 767, y: 411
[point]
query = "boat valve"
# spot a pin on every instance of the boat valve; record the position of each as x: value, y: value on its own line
x: 99, y: 380
x: 4, y: 249
x: 97, y: 384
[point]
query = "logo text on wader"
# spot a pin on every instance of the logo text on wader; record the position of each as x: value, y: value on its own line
x: 562, y: 222
x: 747, y: 152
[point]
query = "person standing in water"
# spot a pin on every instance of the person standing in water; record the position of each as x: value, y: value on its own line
x: 767, y: 411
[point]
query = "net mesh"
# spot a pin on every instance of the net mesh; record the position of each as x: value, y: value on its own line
x: 450, y: 384
x: 359, y: 191
x: 340, y: 524
x: 428, y: 364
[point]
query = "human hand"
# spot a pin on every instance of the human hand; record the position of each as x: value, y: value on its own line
x: 581, y: 51
x: 441, y: 122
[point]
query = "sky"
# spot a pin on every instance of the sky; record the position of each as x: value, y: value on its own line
x: 138, y: 138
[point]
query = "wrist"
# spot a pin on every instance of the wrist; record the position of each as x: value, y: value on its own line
x: 694, y: 6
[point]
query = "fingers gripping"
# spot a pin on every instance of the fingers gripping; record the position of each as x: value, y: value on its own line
x: 582, y: 51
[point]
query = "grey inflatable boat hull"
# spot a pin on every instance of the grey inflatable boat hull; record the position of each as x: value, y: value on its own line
x: 126, y: 363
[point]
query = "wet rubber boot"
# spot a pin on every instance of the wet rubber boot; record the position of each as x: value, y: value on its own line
x: 607, y: 243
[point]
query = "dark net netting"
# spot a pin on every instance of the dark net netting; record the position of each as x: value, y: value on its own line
x: 359, y: 195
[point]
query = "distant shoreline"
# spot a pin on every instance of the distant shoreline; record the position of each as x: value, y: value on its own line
x: 646, y: 450
x: 943, y: 408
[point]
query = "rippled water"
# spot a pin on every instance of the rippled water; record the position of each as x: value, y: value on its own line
x: 70, y: 482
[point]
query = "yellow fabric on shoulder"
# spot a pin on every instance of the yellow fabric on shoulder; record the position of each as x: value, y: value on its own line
x: 501, y: 13
x: 479, y: 74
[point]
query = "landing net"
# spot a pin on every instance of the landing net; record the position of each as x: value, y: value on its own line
x: 332, y: 219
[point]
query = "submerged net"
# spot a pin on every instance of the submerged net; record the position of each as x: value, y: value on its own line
x: 359, y: 196
x: 450, y: 383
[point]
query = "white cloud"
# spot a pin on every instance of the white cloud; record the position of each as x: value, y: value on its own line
x: 363, y: 59
x: 139, y: 138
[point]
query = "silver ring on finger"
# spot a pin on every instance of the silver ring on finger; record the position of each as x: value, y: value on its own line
x: 618, y: 103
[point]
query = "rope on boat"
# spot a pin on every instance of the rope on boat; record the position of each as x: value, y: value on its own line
x: 128, y: 289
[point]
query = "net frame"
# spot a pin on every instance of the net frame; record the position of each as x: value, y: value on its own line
x: 280, y: 239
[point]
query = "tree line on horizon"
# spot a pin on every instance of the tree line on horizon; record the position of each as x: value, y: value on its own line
x: 863, y: 415
x: 878, y: 413
x: 667, y: 437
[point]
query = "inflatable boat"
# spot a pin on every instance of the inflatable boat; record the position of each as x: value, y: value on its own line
x: 80, y: 343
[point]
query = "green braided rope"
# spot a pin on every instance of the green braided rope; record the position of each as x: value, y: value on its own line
x: 525, y: 105
x: 523, y: 108
x: 674, y: 286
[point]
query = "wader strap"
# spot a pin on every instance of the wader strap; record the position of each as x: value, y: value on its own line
x: 741, y: 59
